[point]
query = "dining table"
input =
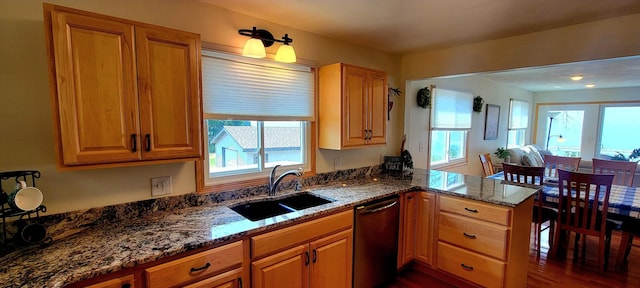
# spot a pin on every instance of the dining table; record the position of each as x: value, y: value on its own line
x: 624, y: 201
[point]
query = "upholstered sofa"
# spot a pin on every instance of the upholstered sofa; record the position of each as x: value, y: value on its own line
x: 528, y: 155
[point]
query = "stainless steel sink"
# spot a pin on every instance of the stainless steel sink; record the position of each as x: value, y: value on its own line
x: 255, y: 211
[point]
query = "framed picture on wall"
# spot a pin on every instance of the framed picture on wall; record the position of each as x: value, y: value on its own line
x: 491, y: 122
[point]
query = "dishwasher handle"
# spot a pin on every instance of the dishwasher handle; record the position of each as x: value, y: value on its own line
x: 376, y: 210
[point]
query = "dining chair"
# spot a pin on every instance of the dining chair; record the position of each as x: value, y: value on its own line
x: 541, y: 214
x: 583, y: 201
x: 487, y: 165
x: 553, y: 163
x: 623, y: 171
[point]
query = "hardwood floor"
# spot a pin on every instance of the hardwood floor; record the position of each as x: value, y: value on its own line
x: 553, y: 272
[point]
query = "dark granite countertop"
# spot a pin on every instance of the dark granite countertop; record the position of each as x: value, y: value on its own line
x: 111, y: 247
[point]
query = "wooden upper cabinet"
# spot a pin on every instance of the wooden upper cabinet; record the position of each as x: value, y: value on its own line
x: 169, y: 89
x: 122, y: 92
x: 96, y: 99
x: 353, y: 107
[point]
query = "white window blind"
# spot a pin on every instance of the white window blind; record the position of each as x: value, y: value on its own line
x: 451, y: 109
x: 236, y: 87
x: 519, y: 114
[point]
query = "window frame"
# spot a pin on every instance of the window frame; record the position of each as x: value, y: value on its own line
x: 592, y: 118
x: 244, y: 180
x: 448, y: 162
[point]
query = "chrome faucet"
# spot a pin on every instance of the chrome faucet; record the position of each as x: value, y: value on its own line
x: 273, y: 184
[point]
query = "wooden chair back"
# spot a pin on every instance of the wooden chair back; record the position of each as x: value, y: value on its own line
x: 487, y: 165
x: 583, y: 203
x: 523, y: 174
x: 553, y: 163
x: 532, y: 175
x: 623, y: 171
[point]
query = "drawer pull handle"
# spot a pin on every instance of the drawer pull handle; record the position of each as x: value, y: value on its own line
x: 147, y: 138
x: 465, y: 267
x: 240, y: 282
x: 306, y: 258
x: 470, y: 236
x: 134, y: 143
x: 471, y: 210
x: 315, y: 256
x: 201, y: 268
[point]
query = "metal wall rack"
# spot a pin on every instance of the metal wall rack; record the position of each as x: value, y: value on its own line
x: 6, y: 211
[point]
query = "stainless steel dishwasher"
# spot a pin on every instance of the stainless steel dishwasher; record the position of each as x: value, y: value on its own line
x: 375, y: 242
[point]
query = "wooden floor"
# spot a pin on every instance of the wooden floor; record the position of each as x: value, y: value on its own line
x: 552, y: 272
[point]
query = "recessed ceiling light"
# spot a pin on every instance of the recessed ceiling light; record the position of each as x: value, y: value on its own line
x: 590, y: 85
x: 576, y: 77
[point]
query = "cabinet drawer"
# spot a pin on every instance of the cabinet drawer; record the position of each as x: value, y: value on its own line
x: 486, y: 238
x: 116, y: 283
x: 475, y: 209
x: 268, y: 243
x: 179, y: 272
x: 476, y: 268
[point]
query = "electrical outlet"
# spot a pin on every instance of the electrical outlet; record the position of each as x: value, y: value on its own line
x: 160, y: 186
x: 336, y: 163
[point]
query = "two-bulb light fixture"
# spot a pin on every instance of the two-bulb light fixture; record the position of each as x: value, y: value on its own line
x: 580, y: 77
x: 260, y: 38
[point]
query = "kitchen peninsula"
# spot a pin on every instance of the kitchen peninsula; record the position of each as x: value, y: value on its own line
x: 129, y: 244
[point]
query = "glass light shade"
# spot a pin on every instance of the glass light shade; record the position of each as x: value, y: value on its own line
x: 286, y: 54
x: 254, y: 48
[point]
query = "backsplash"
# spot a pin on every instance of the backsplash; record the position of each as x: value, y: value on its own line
x: 68, y: 223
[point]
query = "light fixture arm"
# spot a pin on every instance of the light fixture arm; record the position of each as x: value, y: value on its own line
x: 265, y: 36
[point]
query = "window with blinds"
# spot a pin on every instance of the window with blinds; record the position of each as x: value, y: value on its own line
x: 257, y: 115
x: 450, y: 124
x: 518, y: 123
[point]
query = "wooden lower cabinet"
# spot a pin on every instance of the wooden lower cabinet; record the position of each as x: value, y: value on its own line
x: 483, y: 243
x: 331, y: 260
x: 126, y: 281
x: 197, y: 267
x: 231, y: 279
x: 316, y: 254
x: 406, y: 234
x: 425, y: 227
x: 285, y: 269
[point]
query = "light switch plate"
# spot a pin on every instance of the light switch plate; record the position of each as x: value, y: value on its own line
x: 160, y: 186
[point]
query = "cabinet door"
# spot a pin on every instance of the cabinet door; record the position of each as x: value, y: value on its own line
x: 122, y: 282
x: 377, y: 108
x: 354, y: 106
x: 331, y: 261
x: 231, y: 279
x: 408, y: 225
x: 95, y: 104
x: 169, y: 89
x: 287, y: 269
x: 424, y: 232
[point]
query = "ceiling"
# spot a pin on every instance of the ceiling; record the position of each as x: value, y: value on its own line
x: 405, y: 26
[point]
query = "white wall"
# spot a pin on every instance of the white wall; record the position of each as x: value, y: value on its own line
x: 417, y: 119
x: 25, y: 114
